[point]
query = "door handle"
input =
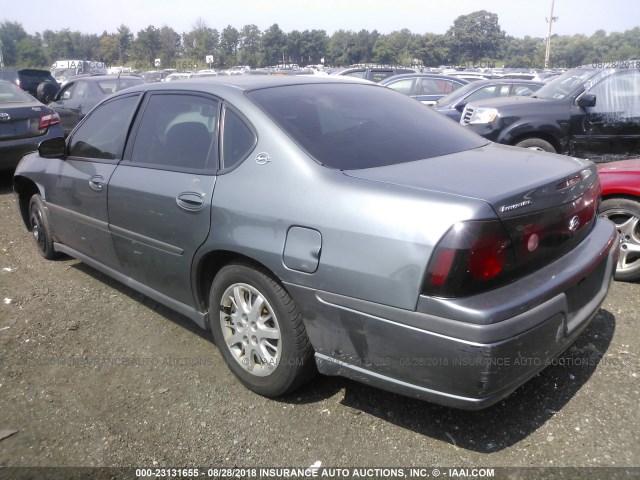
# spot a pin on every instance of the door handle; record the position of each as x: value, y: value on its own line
x: 96, y: 182
x: 190, y: 201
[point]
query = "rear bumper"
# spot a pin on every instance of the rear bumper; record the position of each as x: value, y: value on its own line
x: 477, y: 356
x: 12, y: 151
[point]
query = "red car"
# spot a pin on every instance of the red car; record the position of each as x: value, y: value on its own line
x: 621, y: 204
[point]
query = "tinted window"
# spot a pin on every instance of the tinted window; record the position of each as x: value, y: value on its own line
x: 361, y: 126
x: 524, y: 89
x: 103, y: 133
x: 357, y: 73
x: 115, y: 85
x: 238, y: 140
x: 177, y: 131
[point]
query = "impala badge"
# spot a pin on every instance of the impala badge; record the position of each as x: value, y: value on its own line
x: 4, y: 117
x: 263, y: 158
x: 574, y: 223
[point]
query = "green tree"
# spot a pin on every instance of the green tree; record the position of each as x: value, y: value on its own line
x: 200, y: 42
x: 147, y: 46
x: 125, y: 40
x: 11, y: 33
x: 274, y: 45
x: 250, y: 45
x: 475, y: 36
x: 229, y: 43
x: 170, y: 45
x: 30, y: 54
x: 342, y: 48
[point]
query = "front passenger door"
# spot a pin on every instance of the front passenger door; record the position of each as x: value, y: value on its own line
x: 77, y: 186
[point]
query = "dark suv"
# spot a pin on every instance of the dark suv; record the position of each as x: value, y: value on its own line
x: 588, y: 112
x: 30, y: 79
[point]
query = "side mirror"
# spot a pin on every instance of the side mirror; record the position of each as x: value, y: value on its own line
x: 586, y: 100
x: 460, y: 105
x: 53, y: 148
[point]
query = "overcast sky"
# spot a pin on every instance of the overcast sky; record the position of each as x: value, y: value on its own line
x: 517, y: 17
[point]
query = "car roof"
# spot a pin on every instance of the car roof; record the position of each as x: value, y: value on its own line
x: 98, y: 77
x: 246, y: 83
x: 422, y: 75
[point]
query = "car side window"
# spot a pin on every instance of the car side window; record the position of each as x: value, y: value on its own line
x: 237, y: 140
x: 403, y: 86
x: 81, y: 91
x: 102, y: 134
x: 523, y: 89
x: 177, y: 131
x: 67, y: 91
x: 357, y: 74
x: 618, y: 95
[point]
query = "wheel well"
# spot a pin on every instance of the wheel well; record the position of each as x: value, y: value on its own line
x: 539, y: 135
x: 212, y: 263
x: 622, y: 196
x: 25, y: 189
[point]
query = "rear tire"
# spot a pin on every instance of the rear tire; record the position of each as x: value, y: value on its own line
x: 259, y: 331
x: 625, y: 213
x: 536, y: 144
x: 39, y: 224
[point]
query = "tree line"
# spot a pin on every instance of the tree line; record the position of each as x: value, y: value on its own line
x: 473, y: 40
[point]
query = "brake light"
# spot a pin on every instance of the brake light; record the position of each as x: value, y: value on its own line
x: 472, y: 256
x: 47, y: 120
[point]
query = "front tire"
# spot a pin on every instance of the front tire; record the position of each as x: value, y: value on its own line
x: 39, y: 224
x: 625, y: 213
x: 259, y: 331
x: 536, y: 144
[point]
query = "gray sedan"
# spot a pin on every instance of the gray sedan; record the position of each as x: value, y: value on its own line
x: 327, y: 224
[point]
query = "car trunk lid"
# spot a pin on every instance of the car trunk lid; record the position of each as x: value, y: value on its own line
x: 546, y: 202
x: 21, y: 121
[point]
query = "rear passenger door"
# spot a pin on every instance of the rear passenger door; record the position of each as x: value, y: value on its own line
x: 160, y: 194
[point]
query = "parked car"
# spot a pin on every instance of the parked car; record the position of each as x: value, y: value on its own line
x: 80, y: 94
x: 39, y: 83
x: 621, y: 204
x: 24, y: 123
x: 489, y: 256
x: 453, y: 104
x: 427, y: 88
x: 373, y: 73
x: 586, y: 112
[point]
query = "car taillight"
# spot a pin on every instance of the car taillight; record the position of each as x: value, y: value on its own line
x: 471, y: 257
x: 47, y: 120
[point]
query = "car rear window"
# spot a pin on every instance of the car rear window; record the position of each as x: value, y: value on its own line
x: 11, y: 94
x: 355, y: 126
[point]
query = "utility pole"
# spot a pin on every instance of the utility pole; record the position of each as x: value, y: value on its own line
x: 1, y: 57
x: 550, y: 21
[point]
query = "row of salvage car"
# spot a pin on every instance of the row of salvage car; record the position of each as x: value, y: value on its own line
x: 328, y: 224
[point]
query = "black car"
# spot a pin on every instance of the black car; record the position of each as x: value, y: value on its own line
x: 39, y: 83
x: 24, y: 123
x: 453, y: 104
x: 587, y: 112
x: 80, y: 94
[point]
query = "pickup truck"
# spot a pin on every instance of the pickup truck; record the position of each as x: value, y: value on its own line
x: 588, y: 112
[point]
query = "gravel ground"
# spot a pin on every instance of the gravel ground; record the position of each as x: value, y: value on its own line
x: 94, y: 374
